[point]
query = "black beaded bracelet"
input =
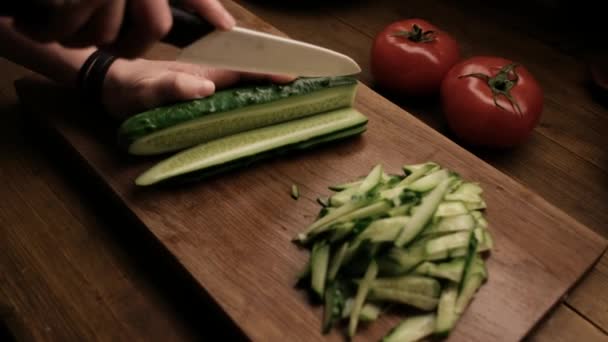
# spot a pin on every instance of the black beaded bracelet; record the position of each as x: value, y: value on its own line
x: 92, y: 74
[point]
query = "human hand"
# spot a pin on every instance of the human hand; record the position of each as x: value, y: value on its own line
x: 132, y: 86
x: 81, y: 23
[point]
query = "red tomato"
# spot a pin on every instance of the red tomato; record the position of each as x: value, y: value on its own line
x: 411, y: 57
x: 491, y: 101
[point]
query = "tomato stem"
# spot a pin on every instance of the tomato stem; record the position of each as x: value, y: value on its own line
x: 417, y: 34
x: 501, y: 84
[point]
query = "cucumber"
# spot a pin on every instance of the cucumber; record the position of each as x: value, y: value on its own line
x: 426, y: 238
x: 369, y: 312
x: 427, y: 182
x: 412, y: 329
x: 336, y: 261
x: 424, y: 212
x: 383, y: 230
x: 451, y: 270
x: 252, y: 143
x: 319, y: 264
x: 451, y: 224
x: 421, y: 285
x: 181, y: 125
x: 419, y: 301
x: 362, y: 290
x: 446, y: 310
x: 342, y: 197
x: 448, y: 242
x: 334, y: 303
x: 371, y: 181
x: 400, y: 261
x: 472, y: 281
x: 451, y: 208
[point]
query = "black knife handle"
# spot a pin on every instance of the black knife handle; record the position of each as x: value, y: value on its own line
x: 187, y: 27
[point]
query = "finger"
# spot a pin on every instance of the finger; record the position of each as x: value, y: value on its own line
x: 225, y: 78
x: 173, y: 87
x: 102, y: 28
x: 213, y: 11
x: 147, y: 22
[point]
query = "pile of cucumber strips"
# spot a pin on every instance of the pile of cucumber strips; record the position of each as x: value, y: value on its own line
x: 236, y: 126
x: 384, y: 240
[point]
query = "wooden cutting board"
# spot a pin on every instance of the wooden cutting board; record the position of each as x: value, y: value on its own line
x: 233, y: 233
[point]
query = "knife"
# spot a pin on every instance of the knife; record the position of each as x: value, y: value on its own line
x: 240, y: 49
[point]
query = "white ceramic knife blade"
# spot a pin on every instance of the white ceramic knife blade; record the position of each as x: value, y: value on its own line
x: 253, y: 51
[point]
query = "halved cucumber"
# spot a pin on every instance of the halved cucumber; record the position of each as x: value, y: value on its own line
x: 177, y: 126
x: 294, y: 134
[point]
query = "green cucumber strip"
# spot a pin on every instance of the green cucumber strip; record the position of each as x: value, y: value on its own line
x: 451, y: 224
x: 362, y: 290
x: 427, y: 182
x: 295, y: 192
x: 470, y: 256
x: 463, y: 197
x: 383, y: 230
x: 323, y: 202
x: 230, y: 111
x: 475, y: 205
x: 458, y: 252
x: 481, y: 222
x: 410, y: 283
x: 319, y: 262
x: 339, y: 187
x: 422, y: 168
x: 412, y: 329
x: 344, y: 228
x: 251, y: 143
x: 372, y: 180
x: 336, y: 261
x: 472, y: 281
x: 402, y: 210
x: 399, y: 261
x: 424, y: 212
x: 369, y: 312
x: 404, y: 297
x: 448, y: 242
x: 469, y: 188
x: 451, y: 270
x: 451, y: 208
x: 342, y: 197
x: 332, y: 217
x: 375, y: 209
x: 334, y: 302
x: 488, y: 241
x: 446, y: 310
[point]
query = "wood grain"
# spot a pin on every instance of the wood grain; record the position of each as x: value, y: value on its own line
x: 238, y: 248
x: 70, y: 268
x: 589, y: 298
x: 565, y: 325
x: 569, y: 140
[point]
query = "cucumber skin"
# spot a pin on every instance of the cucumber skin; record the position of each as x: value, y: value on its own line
x: 200, y: 175
x: 162, y: 117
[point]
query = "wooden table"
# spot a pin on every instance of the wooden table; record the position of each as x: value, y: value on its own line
x: 72, y: 268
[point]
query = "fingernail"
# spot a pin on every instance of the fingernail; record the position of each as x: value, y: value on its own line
x: 206, y: 88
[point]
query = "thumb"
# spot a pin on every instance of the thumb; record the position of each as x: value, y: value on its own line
x: 174, y: 87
